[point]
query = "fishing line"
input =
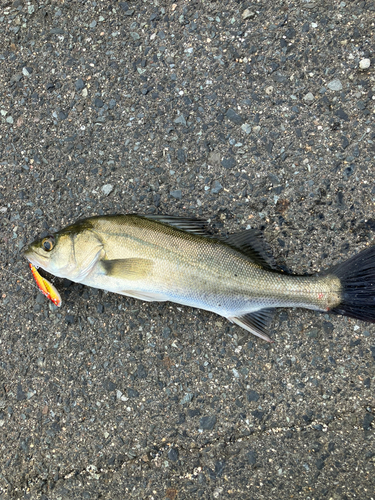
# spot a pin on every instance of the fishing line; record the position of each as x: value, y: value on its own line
x: 22, y: 278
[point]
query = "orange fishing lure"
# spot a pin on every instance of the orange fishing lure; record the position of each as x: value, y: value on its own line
x: 46, y: 287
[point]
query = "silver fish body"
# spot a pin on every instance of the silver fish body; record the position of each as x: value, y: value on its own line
x: 158, y: 258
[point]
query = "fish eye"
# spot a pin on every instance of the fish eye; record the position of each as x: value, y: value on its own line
x: 48, y: 243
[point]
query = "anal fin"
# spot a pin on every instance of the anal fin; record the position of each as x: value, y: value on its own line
x: 256, y: 322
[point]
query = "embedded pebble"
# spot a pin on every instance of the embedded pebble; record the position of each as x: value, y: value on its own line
x: 180, y: 119
x: 246, y: 128
x: 177, y: 194
x: 79, y: 84
x: 364, y: 63
x: 207, y: 423
x: 248, y: 14
x: 107, y: 189
x: 216, y: 187
x: 335, y: 85
x: 309, y: 97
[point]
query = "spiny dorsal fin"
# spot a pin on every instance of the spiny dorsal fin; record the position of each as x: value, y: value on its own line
x: 252, y: 244
x: 189, y: 224
x: 130, y: 269
x: 256, y: 322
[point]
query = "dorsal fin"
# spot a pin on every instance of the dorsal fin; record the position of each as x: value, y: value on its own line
x: 252, y: 244
x: 189, y: 224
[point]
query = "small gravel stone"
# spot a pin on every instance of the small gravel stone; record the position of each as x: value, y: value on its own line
x: 335, y: 85
x: 228, y: 162
x: 216, y: 187
x: 320, y: 463
x: 234, y: 117
x: 364, y: 63
x: 69, y: 319
x: 20, y: 393
x: 252, y: 396
x: 79, y: 84
x: 248, y: 14
x: 98, y: 103
x: 214, y: 159
x: 132, y: 393
x: 251, y: 457
x: 290, y: 33
x: 107, y: 189
x: 108, y: 385
x: 187, y: 398
x: 180, y: 119
x: 219, y: 468
x: 141, y: 371
x: 309, y: 97
x: 166, y: 332
x: 30, y: 394
x: 173, y: 454
x: 176, y: 194
x: 9, y: 119
x: 181, y: 155
x: 207, y: 423
x: 344, y: 142
x: 246, y: 128
x: 367, y: 422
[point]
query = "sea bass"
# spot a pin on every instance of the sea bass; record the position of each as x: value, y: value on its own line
x: 163, y: 258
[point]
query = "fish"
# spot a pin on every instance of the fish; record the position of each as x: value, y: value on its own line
x: 158, y: 258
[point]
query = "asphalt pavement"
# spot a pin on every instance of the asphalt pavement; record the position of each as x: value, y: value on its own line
x: 250, y: 115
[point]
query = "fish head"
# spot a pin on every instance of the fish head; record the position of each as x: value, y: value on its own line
x: 54, y: 254
x: 70, y: 253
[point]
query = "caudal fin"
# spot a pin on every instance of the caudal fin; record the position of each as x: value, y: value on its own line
x: 357, y: 277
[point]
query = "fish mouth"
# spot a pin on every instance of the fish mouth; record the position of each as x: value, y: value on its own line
x: 32, y: 257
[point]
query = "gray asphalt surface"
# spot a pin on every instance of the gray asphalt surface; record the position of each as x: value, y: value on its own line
x: 250, y: 115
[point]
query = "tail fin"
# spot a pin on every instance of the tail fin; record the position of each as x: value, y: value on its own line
x: 357, y: 276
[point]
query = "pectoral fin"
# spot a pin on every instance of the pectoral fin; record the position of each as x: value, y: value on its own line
x: 130, y: 269
x: 256, y: 322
